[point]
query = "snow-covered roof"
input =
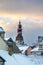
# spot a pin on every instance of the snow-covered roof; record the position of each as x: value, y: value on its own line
x: 35, y: 49
x: 15, y: 59
x: 20, y: 59
x: 1, y: 30
x: 23, y: 48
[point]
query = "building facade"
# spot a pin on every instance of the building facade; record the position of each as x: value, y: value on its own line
x: 40, y: 42
x: 12, y: 48
x: 39, y: 49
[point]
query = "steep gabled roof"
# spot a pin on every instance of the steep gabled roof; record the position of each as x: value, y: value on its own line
x: 12, y: 43
x: 10, y: 40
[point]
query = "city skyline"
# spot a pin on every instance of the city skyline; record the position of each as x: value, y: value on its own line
x: 29, y: 12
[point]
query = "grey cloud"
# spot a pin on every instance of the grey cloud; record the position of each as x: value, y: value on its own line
x: 22, y: 6
x: 31, y: 35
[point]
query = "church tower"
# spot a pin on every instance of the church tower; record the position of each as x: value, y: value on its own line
x: 19, y: 38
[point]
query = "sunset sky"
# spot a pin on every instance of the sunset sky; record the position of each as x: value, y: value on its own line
x: 29, y: 12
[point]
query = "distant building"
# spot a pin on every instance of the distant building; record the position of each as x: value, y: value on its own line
x: 8, y: 45
x: 2, y: 33
x: 40, y: 38
x: 12, y: 48
x: 28, y: 50
x: 23, y: 48
x: 39, y: 49
x: 40, y: 42
x: 19, y: 37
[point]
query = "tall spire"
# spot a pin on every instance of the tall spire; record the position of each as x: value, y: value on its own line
x: 19, y: 37
x: 19, y: 31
